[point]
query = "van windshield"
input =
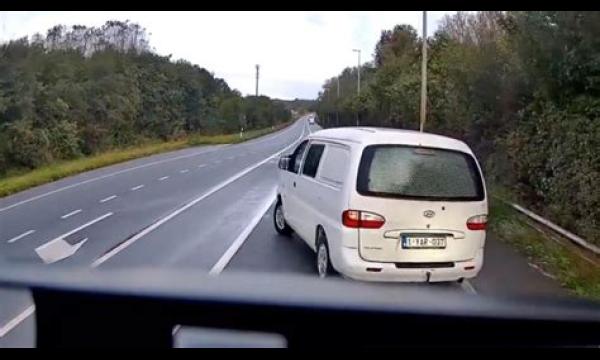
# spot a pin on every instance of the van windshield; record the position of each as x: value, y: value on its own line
x: 419, y: 173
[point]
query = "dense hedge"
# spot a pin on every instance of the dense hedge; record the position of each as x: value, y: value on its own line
x: 521, y: 88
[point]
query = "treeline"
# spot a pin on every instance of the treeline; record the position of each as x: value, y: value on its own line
x: 80, y: 91
x: 521, y: 88
x: 299, y: 105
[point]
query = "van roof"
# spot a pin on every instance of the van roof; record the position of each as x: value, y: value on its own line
x: 374, y: 135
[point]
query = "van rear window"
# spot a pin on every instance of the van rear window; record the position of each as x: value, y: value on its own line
x: 419, y: 173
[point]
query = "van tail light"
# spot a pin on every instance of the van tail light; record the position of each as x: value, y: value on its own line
x: 477, y: 222
x: 362, y: 219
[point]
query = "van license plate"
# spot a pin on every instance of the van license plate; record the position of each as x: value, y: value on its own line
x: 423, y: 242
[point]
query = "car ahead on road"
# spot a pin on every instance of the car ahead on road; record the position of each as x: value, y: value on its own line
x: 385, y: 204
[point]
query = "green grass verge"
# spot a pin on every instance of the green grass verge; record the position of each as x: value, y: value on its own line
x: 543, y: 248
x: 21, y: 181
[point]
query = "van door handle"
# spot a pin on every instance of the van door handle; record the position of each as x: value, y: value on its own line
x: 294, y: 184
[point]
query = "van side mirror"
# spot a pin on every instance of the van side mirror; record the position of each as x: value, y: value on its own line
x: 284, y: 162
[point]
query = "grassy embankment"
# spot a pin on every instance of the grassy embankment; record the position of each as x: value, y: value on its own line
x: 20, y: 180
x: 574, y: 268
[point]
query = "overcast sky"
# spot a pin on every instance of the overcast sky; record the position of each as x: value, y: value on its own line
x: 296, y: 51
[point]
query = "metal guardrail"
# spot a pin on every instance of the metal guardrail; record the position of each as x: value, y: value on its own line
x: 567, y: 234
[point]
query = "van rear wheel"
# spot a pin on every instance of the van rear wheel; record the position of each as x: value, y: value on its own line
x: 281, y: 225
x: 324, y: 267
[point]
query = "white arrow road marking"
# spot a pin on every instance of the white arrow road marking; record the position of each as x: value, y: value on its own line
x: 30, y: 310
x: 20, y: 236
x: 58, y: 249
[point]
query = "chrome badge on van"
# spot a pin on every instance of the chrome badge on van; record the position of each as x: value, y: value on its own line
x: 429, y: 213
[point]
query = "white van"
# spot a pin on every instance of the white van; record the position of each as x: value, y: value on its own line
x: 385, y: 204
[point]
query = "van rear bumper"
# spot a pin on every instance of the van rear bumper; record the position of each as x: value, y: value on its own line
x: 351, y: 265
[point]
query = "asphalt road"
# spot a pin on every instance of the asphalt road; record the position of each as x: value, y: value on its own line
x: 186, y: 209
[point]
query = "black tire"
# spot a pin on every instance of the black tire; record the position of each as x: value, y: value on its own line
x: 282, y: 228
x: 324, y: 267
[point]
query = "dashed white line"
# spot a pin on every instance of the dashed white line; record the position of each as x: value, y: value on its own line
x: 108, y: 198
x: 201, y: 165
x: 71, y: 214
x: 30, y: 310
x: 216, y: 161
x: 137, y: 187
x: 216, y: 148
x: 5, y: 329
x: 184, y: 171
x: 16, y: 320
x: 211, y: 191
x: 163, y: 178
x: 231, y: 157
x: 20, y: 236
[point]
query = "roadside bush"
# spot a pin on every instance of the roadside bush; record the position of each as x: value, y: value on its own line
x: 28, y: 146
x: 557, y: 162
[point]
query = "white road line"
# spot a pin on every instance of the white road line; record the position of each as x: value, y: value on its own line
x: 89, y: 223
x: 106, y: 176
x: 239, y: 241
x: 71, y: 214
x: 163, y: 178
x: 108, y: 198
x: 216, y: 161
x: 137, y: 187
x: 30, y: 310
x: 20, y: 236
x: 25, y: 314
x: 231, y: 157
x: 16, y: 320
x: 175, y: 329
x: 201, y: 165
x: 468, y: 287
x: 184, y: 171
x: 211, y: 191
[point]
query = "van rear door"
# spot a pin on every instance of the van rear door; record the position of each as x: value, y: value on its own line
x: 426, y: 196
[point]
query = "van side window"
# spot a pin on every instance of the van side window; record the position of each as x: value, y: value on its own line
x: 296, y: 158
x: 335, y: 165
x: 313, y: 157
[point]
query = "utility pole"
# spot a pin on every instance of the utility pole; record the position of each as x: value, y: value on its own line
x: 424, y: 74
x: 337, y: 113
x: 257, y: 70
x: 358, y: 51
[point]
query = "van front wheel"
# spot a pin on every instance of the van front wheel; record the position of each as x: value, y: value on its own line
x: 279, y: 220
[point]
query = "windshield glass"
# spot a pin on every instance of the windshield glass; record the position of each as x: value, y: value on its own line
x: 284, y: 144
